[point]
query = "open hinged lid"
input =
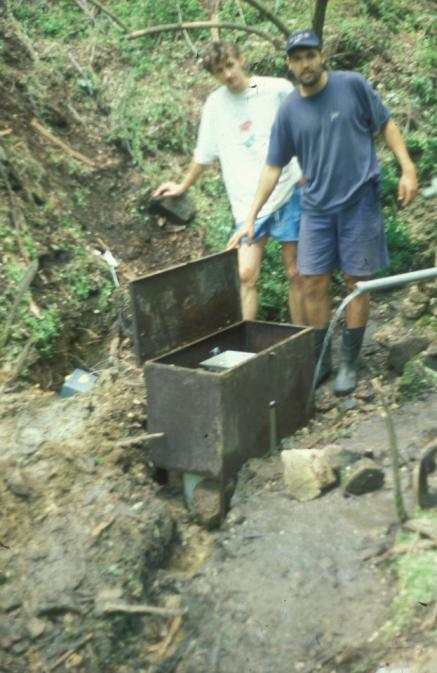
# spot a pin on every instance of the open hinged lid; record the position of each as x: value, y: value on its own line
x: 187, y: 302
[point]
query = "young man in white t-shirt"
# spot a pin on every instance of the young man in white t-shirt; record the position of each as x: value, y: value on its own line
x: 235, y: 129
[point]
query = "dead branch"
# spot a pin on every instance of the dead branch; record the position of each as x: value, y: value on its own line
x: 140, y: 609
x: 53, y: 139
x: 69, y: 652
x: 112, y: 16
x: 24, y: 285
x: 162, y: 647
x: 5, y: 132
x: 139, y: 439
x: 394, y: 452
x: 272, y: 17
x: 203, y: 24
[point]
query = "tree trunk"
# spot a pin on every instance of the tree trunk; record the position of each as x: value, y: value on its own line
x: 319, y: 18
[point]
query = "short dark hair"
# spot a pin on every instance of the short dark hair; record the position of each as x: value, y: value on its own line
x: 216, y: 53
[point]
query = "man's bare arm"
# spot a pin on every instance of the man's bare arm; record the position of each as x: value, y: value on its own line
x: 267, y: 182
x: 194, y: 171
x: 408, y: 181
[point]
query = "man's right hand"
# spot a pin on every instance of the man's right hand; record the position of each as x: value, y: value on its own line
x: 169, y: 189
x: 246, y: 229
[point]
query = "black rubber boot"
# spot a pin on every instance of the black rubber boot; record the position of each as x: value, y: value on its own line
x: 347, y: 376
x: 325, y: 365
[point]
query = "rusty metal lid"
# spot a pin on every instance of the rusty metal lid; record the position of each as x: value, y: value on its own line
x: 187, y: 302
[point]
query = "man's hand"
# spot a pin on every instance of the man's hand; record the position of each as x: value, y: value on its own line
x: 407, y: 188
x: 169, y: 189
x: 247, y: 229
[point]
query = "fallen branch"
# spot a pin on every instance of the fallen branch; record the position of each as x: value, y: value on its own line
x: 5, y: 132
x: 203, y: 24
x: 53, y: 139
x: 139, y: 439
x: 69, y: 652
x: 272, y: 17
x: 162, y: 647
x: 140, y: 609
x: 112, y: 16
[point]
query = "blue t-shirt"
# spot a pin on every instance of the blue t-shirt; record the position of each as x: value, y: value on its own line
x: 332, y: 135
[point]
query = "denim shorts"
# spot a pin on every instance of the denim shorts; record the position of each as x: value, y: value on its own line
x: 283, y: 225
x: 351, y: 240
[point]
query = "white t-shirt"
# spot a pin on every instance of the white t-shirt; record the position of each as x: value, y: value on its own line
x: 235, y: 129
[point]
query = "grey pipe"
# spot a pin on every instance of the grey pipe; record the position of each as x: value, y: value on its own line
x: 392, y: 281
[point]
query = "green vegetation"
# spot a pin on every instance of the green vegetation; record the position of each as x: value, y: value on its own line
x: 146, y: 93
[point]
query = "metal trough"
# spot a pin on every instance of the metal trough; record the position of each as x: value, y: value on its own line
x: 213, y: 421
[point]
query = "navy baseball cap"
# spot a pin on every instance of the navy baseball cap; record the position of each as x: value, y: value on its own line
x: 303, y: 38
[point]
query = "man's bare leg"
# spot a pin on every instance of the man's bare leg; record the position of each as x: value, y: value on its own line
x: 295, y: 284
x: 249, y: 267
x: 317, y: 301
x: 357, y: 312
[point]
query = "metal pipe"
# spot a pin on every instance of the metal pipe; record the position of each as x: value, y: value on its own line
x: 393, y: 281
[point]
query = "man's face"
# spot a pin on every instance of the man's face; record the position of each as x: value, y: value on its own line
x: 231, y: 73
x: 306, y: 64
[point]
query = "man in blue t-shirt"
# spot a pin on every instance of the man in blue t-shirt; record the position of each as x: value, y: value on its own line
x: 329, y: 123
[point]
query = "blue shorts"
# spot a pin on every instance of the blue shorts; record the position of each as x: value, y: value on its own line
x: 283, y: 225
x: 351, y: 240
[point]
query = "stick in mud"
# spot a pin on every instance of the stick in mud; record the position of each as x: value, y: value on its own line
x: 394, y: 452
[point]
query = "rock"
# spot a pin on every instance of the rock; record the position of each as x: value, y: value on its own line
x: 29, y: 440
x: 416, y: 295
x: 10, y: 599
x: 306, y: 473
x: 426, y: 466
x: 412, y: 310
x: 179, y: 208
x: 19, y: 484
x: 364, y: 477
x: 206, y: 503
x: 340, y: 458
x: 431, y: 355
x: 35, y: 628
x: 416, y: 378
x: 403, y: 349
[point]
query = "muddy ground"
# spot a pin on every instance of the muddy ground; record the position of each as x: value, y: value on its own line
x: 283, y: 585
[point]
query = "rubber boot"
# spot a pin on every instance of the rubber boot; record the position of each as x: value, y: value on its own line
x: 325, y: 365
x: 347, y: 376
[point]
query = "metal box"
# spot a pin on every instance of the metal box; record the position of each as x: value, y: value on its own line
x: 213, y: 421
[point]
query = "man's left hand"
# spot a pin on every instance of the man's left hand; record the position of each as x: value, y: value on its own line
x: 407, y: 188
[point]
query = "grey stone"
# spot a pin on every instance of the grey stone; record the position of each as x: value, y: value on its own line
x: 431, y: 355
x: 340, y: 458
x: 403, y: 349
x: 10, y: 599
x: 412, y: 310
x: 306, y: 473
x: 179, y: 208
x: 364, y: 477
x: 29, y: 440
x: 19, y: 484
x: 35, y: 628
